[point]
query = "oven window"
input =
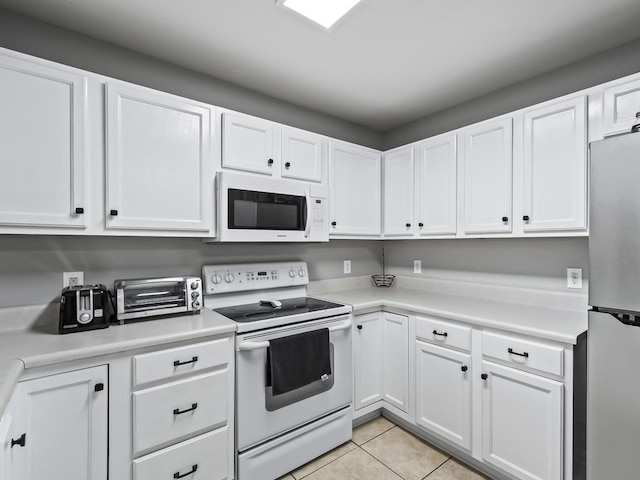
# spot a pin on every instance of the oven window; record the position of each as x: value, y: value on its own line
x: 252, y: 210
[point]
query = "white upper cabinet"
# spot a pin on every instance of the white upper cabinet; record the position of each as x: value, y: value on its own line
x: 159, y: 163
x: 42, y: 145
x: 248, y: 143
x: 435, y: 186
x: 398, y: 192
x: 555, y: 167
x: 302, y: 155
x: 260, y: 146
x: 621, y: 103
x: 355, y: 186
x: 488, y: 177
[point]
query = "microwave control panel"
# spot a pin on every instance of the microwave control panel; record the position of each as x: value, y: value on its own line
x: 253, y: 276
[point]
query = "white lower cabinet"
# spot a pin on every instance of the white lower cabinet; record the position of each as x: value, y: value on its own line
x: 443, y: 392
x: 522, y: 423
x: 59, y: 427
x: 381, y: 364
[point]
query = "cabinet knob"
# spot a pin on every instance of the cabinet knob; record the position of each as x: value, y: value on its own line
x: 464, y: 368
x: 333, y: 224
x: 287, y: 165
x: 79, y: 210
x: 113, y: 213
x: 525, y: 218
x: 270, y: 162
x: 408, y: 225
x: 484, y: 376
x: 98, y: 387
x: 505, y: 219
x: 20, y: 441
x: 421, y: 224
x: 359, y: 327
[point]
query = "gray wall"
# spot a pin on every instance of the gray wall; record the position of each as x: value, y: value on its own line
x: 31, y: 266
x: 23, y: 34
x: 594, y: 70
x: 526, y: 262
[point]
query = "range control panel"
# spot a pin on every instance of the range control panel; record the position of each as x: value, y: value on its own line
x: 253, y: 276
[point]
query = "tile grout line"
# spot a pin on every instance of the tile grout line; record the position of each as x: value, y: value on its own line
x: 328, y: 463
x: 382, y: 463
x: 437, y: 468
x: 381, y: 433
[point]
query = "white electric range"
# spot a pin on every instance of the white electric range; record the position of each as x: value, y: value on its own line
x: 277, y: 432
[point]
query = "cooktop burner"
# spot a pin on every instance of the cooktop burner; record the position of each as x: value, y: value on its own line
x: 262, y: 310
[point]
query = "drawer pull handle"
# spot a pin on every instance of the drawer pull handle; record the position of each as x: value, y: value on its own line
x: 442, y: 334
x: 177, y: 363
x: 194, y: 469
x: 20, y: 441
x: 177, y: 411
x: 512, y: 352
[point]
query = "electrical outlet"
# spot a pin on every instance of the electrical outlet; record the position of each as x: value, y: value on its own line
x: 417, y: 266
x: 574, y: 278
x: 347, y: 267
x: 71, y: 279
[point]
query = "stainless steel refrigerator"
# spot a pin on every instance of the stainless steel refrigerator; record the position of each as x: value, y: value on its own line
x: 613, y: 391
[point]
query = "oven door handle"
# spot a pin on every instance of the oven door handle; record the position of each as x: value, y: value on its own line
x: 245, y: 346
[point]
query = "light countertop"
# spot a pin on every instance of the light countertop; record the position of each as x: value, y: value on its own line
x: 550, y: 319
x: 36, y: 343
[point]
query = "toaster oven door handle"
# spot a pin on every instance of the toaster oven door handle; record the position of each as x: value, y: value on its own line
x: 307, y: 227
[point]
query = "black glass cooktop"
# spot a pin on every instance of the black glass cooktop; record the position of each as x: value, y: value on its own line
x: 264, y: 310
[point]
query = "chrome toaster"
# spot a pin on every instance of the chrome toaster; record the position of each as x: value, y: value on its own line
x: 142, y: 298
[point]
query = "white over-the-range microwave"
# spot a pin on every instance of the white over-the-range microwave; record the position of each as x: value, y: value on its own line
x: 257, y: 209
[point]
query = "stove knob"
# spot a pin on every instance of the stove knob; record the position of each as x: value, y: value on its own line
x: 194, y: 286
x: 301, y: 272
x: 216, y: 279
x: 194, y: 295
x: 292, y: 273
x: 195, y: 304
x: 229, y: 278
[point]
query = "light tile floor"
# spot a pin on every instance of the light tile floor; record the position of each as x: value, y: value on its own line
x: 380, y: 450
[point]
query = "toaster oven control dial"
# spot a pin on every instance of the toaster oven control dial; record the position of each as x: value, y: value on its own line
x: 194, y: 285
x: 229, y: 278
x: 194, y: 295
x: 195, y: 304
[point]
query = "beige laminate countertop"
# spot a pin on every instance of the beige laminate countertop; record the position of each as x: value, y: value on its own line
x: 547, y: 322
x: 39, y: 344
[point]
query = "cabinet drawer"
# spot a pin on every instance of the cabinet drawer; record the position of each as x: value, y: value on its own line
x: 519, y: 352
x: 180, y: 409
x: 172, y: 362
x: 443, y: 333
x: 208, y: 455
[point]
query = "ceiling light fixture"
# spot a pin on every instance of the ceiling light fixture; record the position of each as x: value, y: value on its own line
x: 322, y: 12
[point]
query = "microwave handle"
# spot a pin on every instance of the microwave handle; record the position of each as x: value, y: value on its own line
x: 307, y: 228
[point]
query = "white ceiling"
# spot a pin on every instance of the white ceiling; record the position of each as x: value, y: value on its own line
x: 387, y: 63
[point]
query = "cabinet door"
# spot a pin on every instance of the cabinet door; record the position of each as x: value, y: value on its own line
x: 443, y: 392
x: 487, y: 177
x: 247, y: 144
x: 398, y: 193
x: 522, y: 423
x: 355, y: 190
x: 395, y: 335
x: 42, y: 137
x: 621, y: 103
x: 555, y: 167
x: 368, y: 362
x: 302, y: 155
x: 436, y: 169
x: 158, y: 161
x: 64, y: 422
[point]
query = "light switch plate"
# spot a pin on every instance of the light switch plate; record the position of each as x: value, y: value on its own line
x: 574, y: 278
x: 347, y: 267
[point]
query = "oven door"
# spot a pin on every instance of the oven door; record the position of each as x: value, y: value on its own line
x: 262, y: 415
